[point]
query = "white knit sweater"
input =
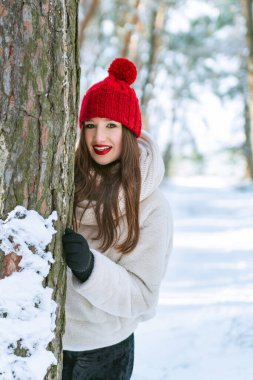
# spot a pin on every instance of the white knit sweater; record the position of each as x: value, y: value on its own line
x: 122, y: 290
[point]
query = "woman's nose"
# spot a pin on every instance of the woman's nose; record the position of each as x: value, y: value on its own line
x: 100, y: 135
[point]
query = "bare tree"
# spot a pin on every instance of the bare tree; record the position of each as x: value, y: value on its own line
x: 248, y: 14
x: 87, y: 18
x: 132, y: 21
x: 155, y: 29
x: 39, y: 90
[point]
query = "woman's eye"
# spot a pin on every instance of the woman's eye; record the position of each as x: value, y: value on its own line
x: 89, y: 126
x: 111, y: 125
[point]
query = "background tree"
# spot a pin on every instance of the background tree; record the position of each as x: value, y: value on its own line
x: 247, y: 11
x: 39, y: 91
x: 89, y: 13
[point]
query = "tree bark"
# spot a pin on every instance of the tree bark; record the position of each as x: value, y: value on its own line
x: 39, y: 92
x: 248, y: 14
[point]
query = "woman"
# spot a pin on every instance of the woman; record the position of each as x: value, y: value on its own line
x: 123, y: 232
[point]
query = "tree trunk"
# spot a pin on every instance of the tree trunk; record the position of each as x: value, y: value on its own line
x: 39, y: 90
x: 168, y: 153
x: 248, y: 14
x: 155, y: 30
x: 247, y: 147
x: 133, y: 20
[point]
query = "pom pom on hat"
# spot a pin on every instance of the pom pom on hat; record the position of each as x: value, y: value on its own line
x: 113, y: 98
x: 123, y: 69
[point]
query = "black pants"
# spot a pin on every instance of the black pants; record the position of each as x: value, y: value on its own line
x: 108, y: 363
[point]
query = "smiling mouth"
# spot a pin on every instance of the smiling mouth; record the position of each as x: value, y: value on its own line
x: 100, y: 150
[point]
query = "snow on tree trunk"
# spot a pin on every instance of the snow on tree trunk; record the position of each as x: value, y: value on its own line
x: 39, y: 88
x: 27, y: 310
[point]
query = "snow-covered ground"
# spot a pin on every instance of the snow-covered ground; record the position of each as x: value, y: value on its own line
x: 203, y: 329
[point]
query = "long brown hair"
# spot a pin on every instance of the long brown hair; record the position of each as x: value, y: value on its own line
x: 102, y: 184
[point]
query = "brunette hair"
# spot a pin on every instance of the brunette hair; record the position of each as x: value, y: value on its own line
x: 102, y: 184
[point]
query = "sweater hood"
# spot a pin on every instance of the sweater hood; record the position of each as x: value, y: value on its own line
x: 152, y: 172
x: 151, y: 165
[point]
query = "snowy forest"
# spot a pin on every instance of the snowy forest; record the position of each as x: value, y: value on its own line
x: 192, y: 59
x: 195, y: 84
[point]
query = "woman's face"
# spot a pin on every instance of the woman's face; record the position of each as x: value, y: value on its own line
x: 103, y: 138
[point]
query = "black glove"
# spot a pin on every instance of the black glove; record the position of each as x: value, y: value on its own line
x: 79, y: 258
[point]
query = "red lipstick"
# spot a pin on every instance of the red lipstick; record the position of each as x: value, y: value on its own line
x: 101, y: 149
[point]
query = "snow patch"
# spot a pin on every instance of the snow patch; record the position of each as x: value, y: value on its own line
x: 27, y: 311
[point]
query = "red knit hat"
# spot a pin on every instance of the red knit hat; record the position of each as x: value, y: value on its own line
x: 113, y: 98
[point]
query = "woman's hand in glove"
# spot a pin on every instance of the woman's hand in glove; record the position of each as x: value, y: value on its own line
x: 78, y: 256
